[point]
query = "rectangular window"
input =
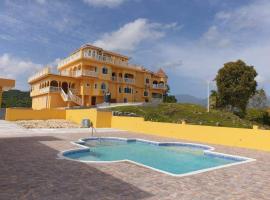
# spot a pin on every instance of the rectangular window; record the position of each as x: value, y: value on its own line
x: 104, y: 70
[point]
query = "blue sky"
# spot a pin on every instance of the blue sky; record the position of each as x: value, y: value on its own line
x: 189, y: 39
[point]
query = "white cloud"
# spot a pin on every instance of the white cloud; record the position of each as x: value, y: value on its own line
x: 232, y: 35
x: 129, y: 36
x: 18, y: 69
x: 252, y: 16
x: 105, y: 3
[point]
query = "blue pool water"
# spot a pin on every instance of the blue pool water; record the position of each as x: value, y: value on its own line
x: 171, y: 158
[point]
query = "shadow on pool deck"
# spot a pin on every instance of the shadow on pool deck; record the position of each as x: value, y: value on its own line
x: 30, y: 170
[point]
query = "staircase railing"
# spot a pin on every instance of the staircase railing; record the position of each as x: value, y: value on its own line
x: 75, y: 98
x: 64, y: 95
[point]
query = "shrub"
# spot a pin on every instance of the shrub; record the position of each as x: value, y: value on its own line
x: 258, y: 115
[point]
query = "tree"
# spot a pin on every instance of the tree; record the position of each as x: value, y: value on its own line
x: 258, y: 100
x: 213, y: 99
x: 236, y: 84
x: 169, y: 98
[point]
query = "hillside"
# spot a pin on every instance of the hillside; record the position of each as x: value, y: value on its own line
x: 192, y: 114
x: 16, y: 98
x: 185, y: 98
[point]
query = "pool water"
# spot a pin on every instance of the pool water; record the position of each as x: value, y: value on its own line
x: 166, y: 157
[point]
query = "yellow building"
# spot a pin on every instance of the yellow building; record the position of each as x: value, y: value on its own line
x: 5, y: 84
x: 88, y: 73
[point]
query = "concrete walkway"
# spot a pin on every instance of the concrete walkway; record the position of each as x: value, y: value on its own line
x: 10, y: 129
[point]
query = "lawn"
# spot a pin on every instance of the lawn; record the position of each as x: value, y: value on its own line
x: 192, y: 114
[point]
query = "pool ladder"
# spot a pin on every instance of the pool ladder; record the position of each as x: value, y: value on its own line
x: 92, y: 132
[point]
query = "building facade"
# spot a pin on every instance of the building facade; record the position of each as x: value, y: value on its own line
x: 87, y: 74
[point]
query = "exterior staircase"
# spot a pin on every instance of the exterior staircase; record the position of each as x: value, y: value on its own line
x: 71, y: 97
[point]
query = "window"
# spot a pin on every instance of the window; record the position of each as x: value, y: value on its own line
x: 127, y: 90
x: 145, y: 93
x: 95, y: 86
x: 104, y: 70
x: 103, y: 86
x: 120, y: 90
x: 147, y: 80
x: 89, y: 53
x: 95, y: 69
x: 87, y: 84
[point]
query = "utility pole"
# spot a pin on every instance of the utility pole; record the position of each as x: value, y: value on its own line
x: 208, y: 96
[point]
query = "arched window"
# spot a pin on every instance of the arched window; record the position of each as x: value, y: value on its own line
x: 104, y: 70
x: 54, y: 83
x: 161, y: 83
x: 147, y: 80
x: 155, y: 82
x: 103, y: 86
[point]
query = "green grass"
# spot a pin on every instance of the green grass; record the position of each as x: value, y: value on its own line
x: 192, y: 114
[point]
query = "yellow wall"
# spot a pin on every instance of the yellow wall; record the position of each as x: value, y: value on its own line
x: 238, y: 137
x: 13, y: 114
x: 248, y: 138
x: 76, y: 115
x: 100, y: 119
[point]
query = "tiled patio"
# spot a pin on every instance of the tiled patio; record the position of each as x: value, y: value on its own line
x: 29, y: 169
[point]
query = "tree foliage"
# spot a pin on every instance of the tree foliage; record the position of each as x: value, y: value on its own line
x: 258, y: 100
x: 16, y: 98
x: 236, y: 84
x: 169, y: 98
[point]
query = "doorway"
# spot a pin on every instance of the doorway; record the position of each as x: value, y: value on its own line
x: 65, y: 87
x: 93, y: 100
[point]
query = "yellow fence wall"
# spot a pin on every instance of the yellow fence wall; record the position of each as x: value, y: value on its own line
x: 248, y: 138
x: 13, y: 114
x: 100, y: 119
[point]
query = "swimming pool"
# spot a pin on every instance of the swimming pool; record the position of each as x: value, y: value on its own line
x: 173, y: 158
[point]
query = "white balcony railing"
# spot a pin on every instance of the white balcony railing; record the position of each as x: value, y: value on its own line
x: 129, y: 80
x: 79, y: 73
x: 90, y: 73
x: 70, y: 59
x: 157, y: 86
x: 87, y: 54
x: 45, y: 90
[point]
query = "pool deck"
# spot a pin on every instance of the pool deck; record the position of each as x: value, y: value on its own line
x: 30, y: 169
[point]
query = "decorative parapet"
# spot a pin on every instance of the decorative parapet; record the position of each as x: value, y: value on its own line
x: 69, y: 59
x: 40, y: 74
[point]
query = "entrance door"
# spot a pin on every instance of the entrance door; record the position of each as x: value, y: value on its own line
x: 93, y: 101
x: 65, y: 87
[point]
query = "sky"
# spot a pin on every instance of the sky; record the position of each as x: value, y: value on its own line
x: 189, y: 39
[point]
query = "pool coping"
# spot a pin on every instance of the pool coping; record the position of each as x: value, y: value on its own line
x: 209, y: 150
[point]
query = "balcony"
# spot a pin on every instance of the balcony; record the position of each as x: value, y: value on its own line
x: 107, y: 59
x: 80, y: 73
x: 45, y: 90
x: 69, y: 59
x: 129, y: 80
x: 159, y: 86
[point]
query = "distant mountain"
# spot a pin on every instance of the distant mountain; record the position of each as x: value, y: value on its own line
x: 185, y: 98
x: 16, y: 98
